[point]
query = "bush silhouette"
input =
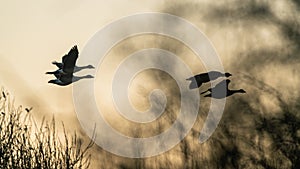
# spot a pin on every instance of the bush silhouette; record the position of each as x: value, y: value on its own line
x: 24, y: 144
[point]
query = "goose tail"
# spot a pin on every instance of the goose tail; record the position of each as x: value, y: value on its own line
x: 50, y: 73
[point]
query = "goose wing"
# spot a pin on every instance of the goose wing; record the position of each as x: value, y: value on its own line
x: 222, y: 84
x: 69, y: 60
x: 67, y: 78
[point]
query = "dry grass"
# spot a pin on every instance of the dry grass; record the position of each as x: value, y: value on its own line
x: 25, y: 144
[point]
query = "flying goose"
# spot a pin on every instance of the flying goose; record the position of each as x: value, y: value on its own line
x: 197, y: 80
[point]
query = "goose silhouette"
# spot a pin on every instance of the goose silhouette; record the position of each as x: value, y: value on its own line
x: 218, y: 92
x: 64, y: 75
x: 197, y: 80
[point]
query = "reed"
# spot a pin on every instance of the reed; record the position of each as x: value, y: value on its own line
x: 26, y: 144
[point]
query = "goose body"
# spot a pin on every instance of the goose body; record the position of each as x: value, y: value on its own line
x: 197, y: 80
x: 65, y: 80
x: 57, y: 73
x: 220, y: 86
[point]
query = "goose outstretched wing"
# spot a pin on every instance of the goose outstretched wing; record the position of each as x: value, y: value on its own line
x: 69, y: 60
x: 223, y: 83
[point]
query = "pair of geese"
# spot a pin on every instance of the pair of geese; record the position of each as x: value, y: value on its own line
x: 217, y: 91
x: 66, y: 69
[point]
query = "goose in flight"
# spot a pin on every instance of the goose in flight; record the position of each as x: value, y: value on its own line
x: 64, y: 75
x: 197, y: 80
x: 218, y: 92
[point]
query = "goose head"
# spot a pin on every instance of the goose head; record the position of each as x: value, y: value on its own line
x: 228, y: 74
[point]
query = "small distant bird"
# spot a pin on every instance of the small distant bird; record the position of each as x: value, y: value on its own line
x: 218, y: 92
x: 197, y: 80
x: 28, y: 109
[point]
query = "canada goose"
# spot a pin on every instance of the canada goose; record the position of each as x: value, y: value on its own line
x: 218, y: 92
x: 68, y: 79
x: 197, y: 80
